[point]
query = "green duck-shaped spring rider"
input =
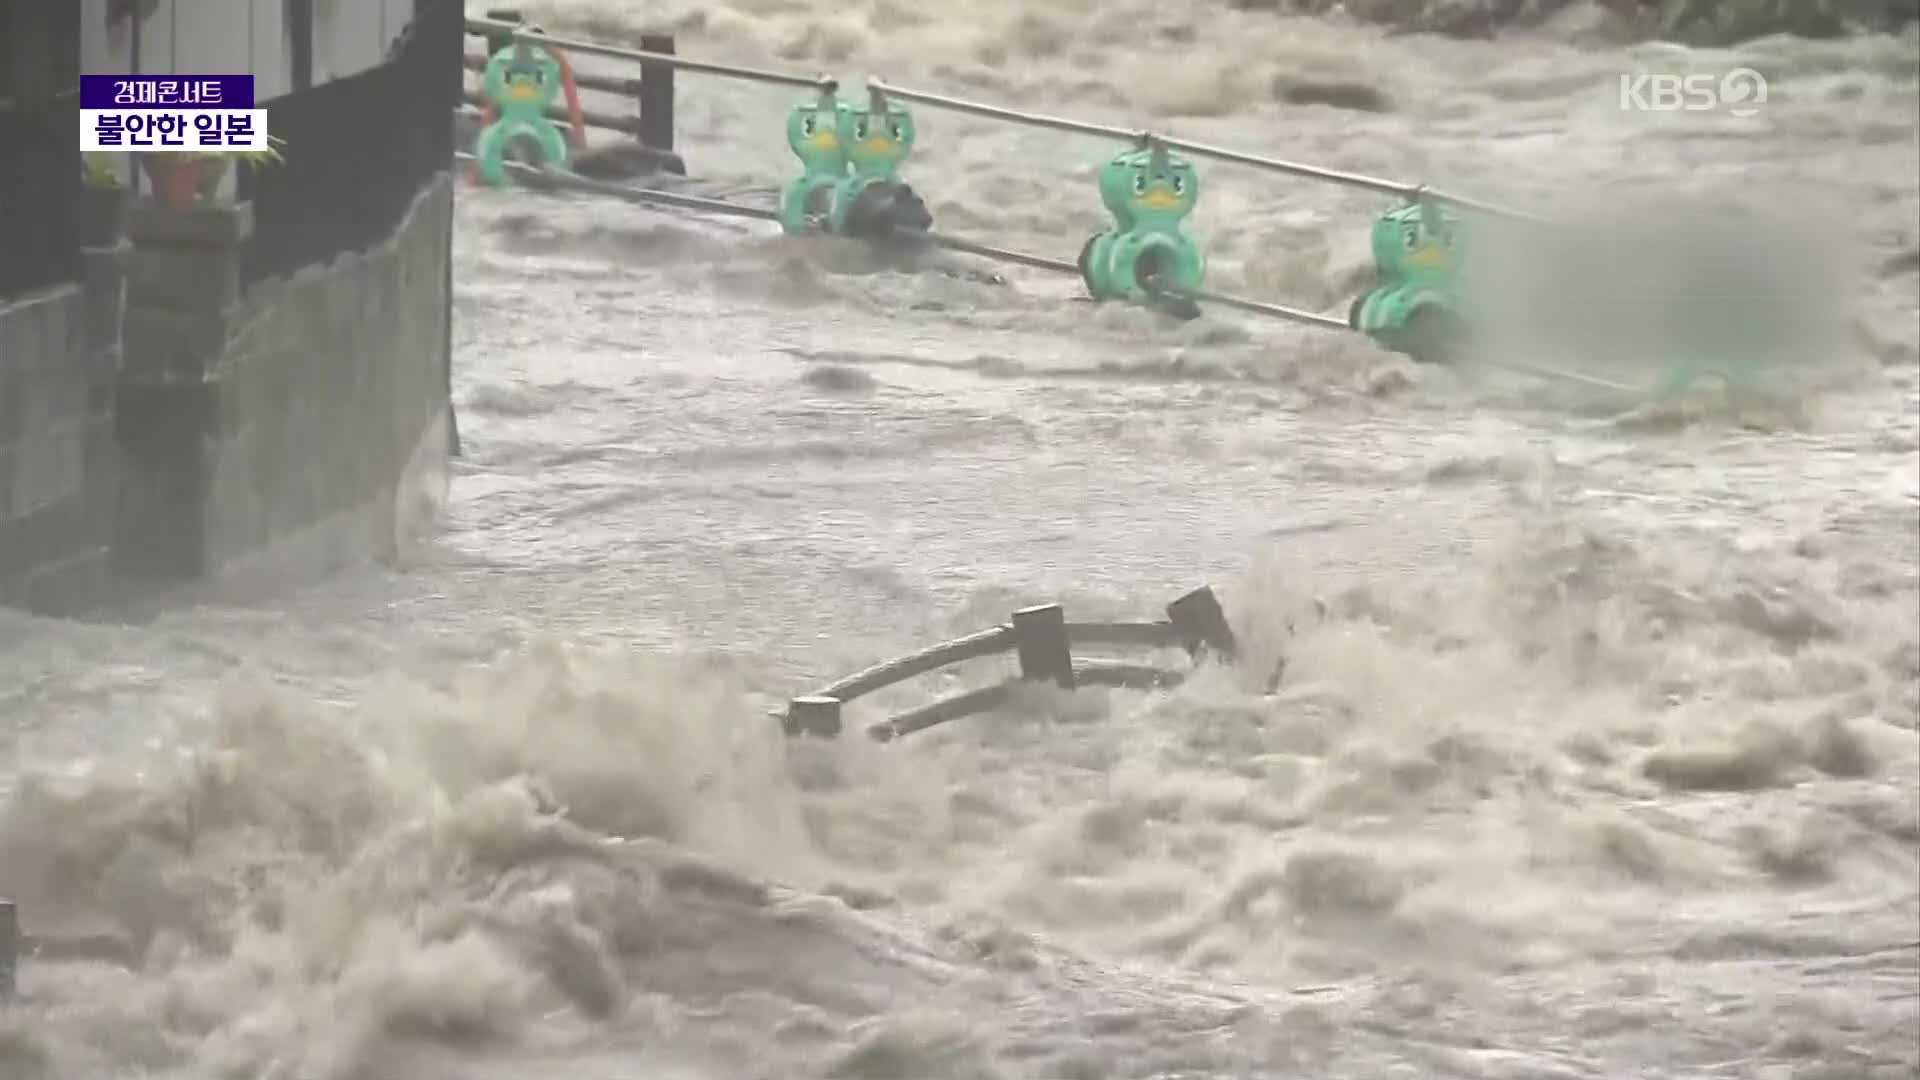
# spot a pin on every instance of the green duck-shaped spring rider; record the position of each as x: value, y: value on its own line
x: 520, y: 82
x: 1743, y: 296
x: 1413, y: 307
x: 873, y: 201
x: 815, y: 131
x: 1145, y: 257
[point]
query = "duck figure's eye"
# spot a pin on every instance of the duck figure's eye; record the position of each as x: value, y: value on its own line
x: 1179, y: 185
x: 1139, y: 184
x: 806, y: 126
x: 899, y: 130
x: 860, y: 128
x: 1410, y: 236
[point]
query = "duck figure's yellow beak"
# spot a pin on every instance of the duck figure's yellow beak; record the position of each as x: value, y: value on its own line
x: 1158, y: 199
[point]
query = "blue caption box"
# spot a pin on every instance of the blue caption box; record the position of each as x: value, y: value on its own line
x: 166, y: 91
x: 156, y: 130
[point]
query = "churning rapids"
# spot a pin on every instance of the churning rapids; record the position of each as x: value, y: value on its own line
x: 1596, y: 758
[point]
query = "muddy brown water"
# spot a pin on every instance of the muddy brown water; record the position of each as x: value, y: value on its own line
x: 1595, y: 755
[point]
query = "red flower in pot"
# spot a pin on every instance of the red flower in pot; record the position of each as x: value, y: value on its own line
x: 180, y: 180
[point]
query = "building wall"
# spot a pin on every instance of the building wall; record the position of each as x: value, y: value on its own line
x: 279, y: 434
x: 284, y: 400
x: 58, y: 458
x: 57, y: 336
x: 206, y: 37
x: 218, y: 398
x: 219, y: 37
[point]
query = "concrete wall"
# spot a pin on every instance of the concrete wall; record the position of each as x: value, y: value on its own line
x: 59, y: 332
x: 58, y: 460
x: 162, y: 426
x: 274, y: 434
x: 30, y: 69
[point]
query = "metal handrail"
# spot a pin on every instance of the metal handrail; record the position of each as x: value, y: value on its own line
x: 722, y: 207
x: 881, y: 89
x: 1411, y: 192
x: 649, y: 196
x: 1257, y: 307
x: 517, y: 32
x: 700, y: 204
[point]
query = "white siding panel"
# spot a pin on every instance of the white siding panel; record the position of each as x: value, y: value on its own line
x: 270, y: 52
x: 346, y: 37
x: 396, y: 14
x: 104, y: 50
x: 212, y: 39
x: 156, y: 40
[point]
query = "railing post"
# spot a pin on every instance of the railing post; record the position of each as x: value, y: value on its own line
x: 496, y: 42
x: 816, y: 716
x: 9, y: 947
x: 1202, y: 625
x: 1040, y: 639
x: 656, y: 95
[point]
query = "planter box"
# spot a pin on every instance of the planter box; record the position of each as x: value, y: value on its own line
x: 208, y: 226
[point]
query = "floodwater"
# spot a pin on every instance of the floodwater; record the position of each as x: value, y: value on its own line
x: 1594, y: 753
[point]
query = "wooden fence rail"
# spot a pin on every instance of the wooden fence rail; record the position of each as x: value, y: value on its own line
x: 652, y: 120
x: 1043, y: 640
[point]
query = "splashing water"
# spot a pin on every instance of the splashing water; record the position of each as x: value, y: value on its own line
x: 1595, y: 753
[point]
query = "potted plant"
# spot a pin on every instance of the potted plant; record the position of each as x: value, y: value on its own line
x: 103, y: 207
x: 183, y: 179
x: 175, y: 179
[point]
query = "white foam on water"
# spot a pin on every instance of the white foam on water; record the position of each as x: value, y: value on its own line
x: 1594, y: 752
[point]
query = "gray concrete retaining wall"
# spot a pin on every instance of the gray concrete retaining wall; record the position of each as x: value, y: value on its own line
x: 160, y: 426
x: 58, y: 462
x: 271, y: 433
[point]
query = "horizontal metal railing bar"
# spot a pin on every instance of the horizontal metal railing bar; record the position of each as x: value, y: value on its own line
x: 604, y: 83
x: 654, y: 197
x: 1150, y: 634
x: 954, y: 708
x: 517, y: 32
x: 1400, y: 189
x: 1114, y: 674
x: 1538, y: 371
x: 951, y: 243
x: 649, y: 196
x: 1006, y: 255
x: 988, y: 642
x: 1261, y: 307
x: 1120, y: 674
x: 1217, y: 153
x: 626, y: 125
